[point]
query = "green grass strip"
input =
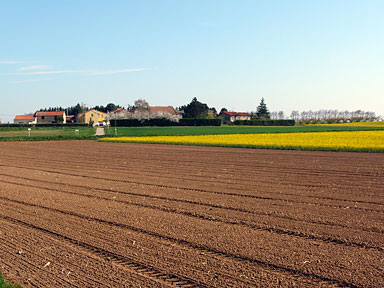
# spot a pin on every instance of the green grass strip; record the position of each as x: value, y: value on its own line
x: 187, y: 131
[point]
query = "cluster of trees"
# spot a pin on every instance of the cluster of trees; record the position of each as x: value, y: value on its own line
x: 79, y: 108
x: 196, y: 109
x: 333, y: 116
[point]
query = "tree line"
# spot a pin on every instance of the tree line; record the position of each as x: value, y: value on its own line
x: 197, y: 109
x: 333, y: 116
x: 80, y: 108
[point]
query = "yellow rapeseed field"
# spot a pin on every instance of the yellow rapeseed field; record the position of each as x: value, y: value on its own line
x: 340, y: 141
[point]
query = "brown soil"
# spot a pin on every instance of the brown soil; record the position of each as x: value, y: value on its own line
x: 89, y: 214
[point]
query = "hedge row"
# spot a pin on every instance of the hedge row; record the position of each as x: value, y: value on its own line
x: 44, y: 125
x: 199, y: 122
x: 164, y: 122
x: 142, y: 123
x: 265, y: 122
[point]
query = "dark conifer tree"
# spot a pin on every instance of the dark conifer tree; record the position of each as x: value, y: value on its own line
x: 262, y: 111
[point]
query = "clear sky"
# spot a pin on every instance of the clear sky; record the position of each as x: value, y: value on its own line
x: 297, y: 54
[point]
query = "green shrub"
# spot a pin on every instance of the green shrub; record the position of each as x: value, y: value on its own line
x: 265, y: 122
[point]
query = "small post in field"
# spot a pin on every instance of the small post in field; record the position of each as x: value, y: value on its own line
x: 77, y: 132
x: 115, y: 131
x: 29, y: 132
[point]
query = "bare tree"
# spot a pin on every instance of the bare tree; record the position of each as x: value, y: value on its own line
x: 274, y: 115
x: 333, y: 116
x: 295, y: 115
x: 141, y: 110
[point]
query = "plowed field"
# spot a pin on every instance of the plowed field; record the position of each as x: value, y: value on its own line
x: 89, y: 214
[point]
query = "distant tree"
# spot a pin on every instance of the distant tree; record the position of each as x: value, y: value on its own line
x: 295, y: 115
x: 141, y: 110
x: 100, y: 108
x: 111, y: 107
x: 274, y: 115
x: 79, y: 109
x: 74, y: 110
x: 213, y: 109
x: 141, y: 104
x: 262, y: 110
x: 223, y: 110
x: 195, y: 109
x: 59, y: 119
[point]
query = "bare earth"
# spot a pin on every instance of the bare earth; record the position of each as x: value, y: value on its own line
x: 89, y: 214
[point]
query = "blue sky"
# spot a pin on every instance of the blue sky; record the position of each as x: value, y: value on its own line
x: 296, y: 54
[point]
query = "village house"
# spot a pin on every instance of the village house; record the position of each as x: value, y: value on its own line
x: 25, y: 119
x: 49, y: 117
x: 91, y: 117
x: 233, y: 116
x: 167, y: 112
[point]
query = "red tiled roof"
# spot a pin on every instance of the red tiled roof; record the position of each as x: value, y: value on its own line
x: 50, y: 113
x: 25, y: 117
x: 70, y: 117
x: 236, y: 113
x: 118, y: 110
x: 162, y: 109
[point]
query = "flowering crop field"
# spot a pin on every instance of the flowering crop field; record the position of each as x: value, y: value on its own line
x: 363, y: 141
x: 233, y: 129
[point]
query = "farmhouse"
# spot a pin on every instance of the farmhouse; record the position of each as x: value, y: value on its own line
x: 48, y: 117
x: 25, y: 119
x: 161, y: 110
x: 91, y: 117
x: 233, y: 116
x: 167, y: 112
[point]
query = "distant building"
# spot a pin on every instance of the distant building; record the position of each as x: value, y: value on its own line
x: 91, y: 117
x: 50, y: 117
x: 71, y: 119
x: 167, y: 112
x: 233, y: 116
x: 25, y: 119
x: 148, y: 112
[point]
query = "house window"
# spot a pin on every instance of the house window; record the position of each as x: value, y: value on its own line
x: 42, y: 117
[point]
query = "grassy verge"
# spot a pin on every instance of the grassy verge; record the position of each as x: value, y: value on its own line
x: 183, y: 131
x: 47, y: 138
x: 44, y: 133
x: 5, y: 285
